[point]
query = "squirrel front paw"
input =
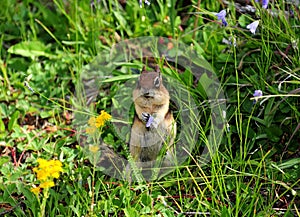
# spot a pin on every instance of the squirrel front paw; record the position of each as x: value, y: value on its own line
x: 145, y: 117
x: 149, y: 120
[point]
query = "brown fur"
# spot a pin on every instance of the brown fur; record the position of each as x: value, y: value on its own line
x: 150, y: 96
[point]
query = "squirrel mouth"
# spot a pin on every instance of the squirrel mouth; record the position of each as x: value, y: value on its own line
x: 148, y: 96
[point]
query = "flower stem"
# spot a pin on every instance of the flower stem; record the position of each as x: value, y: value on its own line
x: 43, y: 205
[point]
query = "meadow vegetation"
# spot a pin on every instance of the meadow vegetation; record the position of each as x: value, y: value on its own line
x: 253, y: 48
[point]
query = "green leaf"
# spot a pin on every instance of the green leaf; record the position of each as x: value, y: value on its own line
x: 2, y: 126
x: 120, y: 78
x: 123, y: 23
x: 225, y: 212
x: 242, y: 20
x: 289, y: 163
x: 13, y: 120
x: 146, y: 200
x: 4, y: 160
x: 130, y: 212
x: 30, y: 49
x: 273, y: 133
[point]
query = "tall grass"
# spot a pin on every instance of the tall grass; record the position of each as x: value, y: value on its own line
x: 255, y: 170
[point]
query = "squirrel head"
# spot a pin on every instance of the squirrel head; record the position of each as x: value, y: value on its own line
x: 149, y: 81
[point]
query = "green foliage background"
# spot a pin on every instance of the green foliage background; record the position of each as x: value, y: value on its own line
x: 45, y: 44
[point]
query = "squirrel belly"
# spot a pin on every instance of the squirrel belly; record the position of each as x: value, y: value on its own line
x: 153, y: 125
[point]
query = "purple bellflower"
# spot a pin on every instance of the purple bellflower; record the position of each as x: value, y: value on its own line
x: 257, y: 94
x: 150, y: 121
x: 253, y: 26
x: 264, y: 3
x: 221, y: 16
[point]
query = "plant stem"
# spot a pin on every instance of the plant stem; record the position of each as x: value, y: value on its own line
x: 43, y: 206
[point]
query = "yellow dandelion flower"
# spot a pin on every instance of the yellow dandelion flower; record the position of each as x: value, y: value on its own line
x: 47, y: 184
x: 48, y: 169
x: 42, y: 163
x: 90, y: 130
x: 35, y: 190
x: 94, y: 148
x: 102, y: 118
x: 54, y: 171
x: 55, y: 175
x: 42, y: 175
x: 55, y: 163
x: 92, y: 121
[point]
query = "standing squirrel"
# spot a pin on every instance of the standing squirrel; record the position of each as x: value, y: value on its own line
x: 154, y: 125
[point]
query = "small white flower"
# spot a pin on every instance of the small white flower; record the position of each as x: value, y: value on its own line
x: 146, y: 2
x: 253, y: 26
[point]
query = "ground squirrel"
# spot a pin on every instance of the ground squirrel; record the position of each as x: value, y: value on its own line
x: 153, y: 125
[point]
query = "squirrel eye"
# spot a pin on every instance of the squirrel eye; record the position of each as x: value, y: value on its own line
x: 156, y: 82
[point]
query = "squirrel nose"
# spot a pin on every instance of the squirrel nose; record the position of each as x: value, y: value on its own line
x: 146, y: 92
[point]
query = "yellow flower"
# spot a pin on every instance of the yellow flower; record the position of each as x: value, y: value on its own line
x: 98, y: 121
x: 102, y: 118
x: 42, y: 163
x: 47, y: 184
x: 42, y: 175
x: 48, y: 169
x: 94, y: 148
x: 90, y: 130
x: 92, y: 122
x: 35, y: 190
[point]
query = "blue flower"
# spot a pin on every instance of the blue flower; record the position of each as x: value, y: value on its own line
x: 264, y: 3
x: 257, y: 94
x: 150, y: 121
x: 221, y: 16
x: 253, y: 26
x: 224, y: 22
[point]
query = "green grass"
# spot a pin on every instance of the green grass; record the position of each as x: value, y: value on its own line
x: 49, y: 46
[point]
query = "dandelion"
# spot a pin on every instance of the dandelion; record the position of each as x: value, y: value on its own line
x: 221, y: 16
x: 92, y: 121
x: 47, y: 184
x: 35, y: 190
x: 253, y: 26
x: 90, y: 130
x: 47, y: 170
x: 102, y: 118
x: 99, y: 121
x: 257, y: 94
x: 94, y: 148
